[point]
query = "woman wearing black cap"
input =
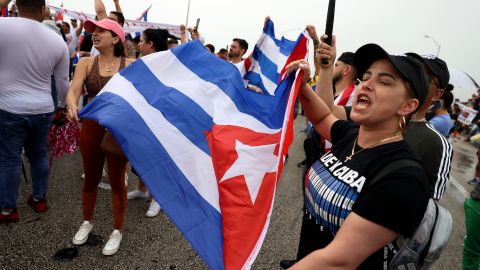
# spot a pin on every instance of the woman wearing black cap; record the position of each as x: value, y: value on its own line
x: 429, y: 145
x: 349, y: 221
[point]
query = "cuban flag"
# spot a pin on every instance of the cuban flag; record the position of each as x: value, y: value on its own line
x: 270, y: 56
x: 144, y: 17
x: 144, y: 14
x: 209, y: 150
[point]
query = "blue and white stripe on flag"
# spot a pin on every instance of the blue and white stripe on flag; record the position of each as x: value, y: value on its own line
x: 269, y: 58
x: 160, y: 108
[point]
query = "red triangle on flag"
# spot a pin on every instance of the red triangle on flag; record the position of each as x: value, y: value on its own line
x: 243, y: 217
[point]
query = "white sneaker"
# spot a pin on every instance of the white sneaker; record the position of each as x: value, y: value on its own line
x: 111, y: 247
x: 137, y: 194
x: 82, y: 235
x: 153, y: 209
x: 104, y: 185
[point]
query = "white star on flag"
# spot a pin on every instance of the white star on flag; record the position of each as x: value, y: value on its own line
x: 258, y: 159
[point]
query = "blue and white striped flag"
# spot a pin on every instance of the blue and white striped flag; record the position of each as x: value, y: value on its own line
x: 210, y: 151
x: 270, y: 57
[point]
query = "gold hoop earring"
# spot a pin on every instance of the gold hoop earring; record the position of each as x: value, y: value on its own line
x: 402, y: 122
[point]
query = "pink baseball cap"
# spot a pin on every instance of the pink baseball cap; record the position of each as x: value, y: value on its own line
x: 106, y: 24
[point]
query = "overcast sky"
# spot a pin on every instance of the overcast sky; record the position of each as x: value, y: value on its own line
x: 398, y: 26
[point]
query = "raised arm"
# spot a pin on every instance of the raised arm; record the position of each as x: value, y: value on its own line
x: 183, y: 34
x: 357, y: 239
x: 193, y: 33
x: 325, y: 71
x: 316, y: 43
x: 316, y: 110
x: 100, y: 10
x: 118, y: 8
x: 324, y: 87
x: 78, y: 32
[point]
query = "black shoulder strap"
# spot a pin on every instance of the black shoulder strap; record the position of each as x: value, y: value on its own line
x: 425, y: 251
x: 393, y: 166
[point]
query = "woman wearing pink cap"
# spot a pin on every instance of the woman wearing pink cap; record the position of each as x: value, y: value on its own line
x: 94, y: 73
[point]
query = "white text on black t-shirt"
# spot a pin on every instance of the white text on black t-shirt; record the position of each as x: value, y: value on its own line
x: 343, y: 173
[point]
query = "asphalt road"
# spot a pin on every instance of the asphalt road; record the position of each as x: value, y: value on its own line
x: 155, y: 243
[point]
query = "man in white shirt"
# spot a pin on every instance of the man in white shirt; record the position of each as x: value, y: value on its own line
x: 31, y: 54
x: 237, y: 49
x: 72, y: 38
x: 74, y: 24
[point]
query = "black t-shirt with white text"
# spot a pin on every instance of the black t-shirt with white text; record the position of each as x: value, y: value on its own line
x: 336, y: 186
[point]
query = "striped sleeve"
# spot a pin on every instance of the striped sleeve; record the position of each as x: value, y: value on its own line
x: 444, y: 165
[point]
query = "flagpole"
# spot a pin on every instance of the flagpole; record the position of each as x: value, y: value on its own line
x: 329, y: 25
x: 188, y: 13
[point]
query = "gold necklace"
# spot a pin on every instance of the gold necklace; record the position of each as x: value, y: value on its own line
x: 109, y: 68
x: 348, y: 158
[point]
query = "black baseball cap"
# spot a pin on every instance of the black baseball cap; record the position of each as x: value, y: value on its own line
x: 409, y: 68
x: 437, y: 66
x: 347, y: 58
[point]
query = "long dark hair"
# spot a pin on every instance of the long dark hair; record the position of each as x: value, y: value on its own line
x: 118, y: 49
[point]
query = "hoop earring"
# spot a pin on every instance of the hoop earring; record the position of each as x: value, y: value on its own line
x: 402, y: 122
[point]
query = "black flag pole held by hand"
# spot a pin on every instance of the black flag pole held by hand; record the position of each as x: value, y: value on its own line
x: 329, y: 25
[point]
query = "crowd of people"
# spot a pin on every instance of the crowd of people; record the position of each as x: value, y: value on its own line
x: 80, y: 59
x: 367, y: 109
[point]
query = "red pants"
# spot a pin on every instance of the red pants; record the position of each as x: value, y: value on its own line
x: 93, y: 158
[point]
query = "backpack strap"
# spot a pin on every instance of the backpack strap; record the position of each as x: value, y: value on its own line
x: 425, y: 251
x: 393, y: 166
x: 398, y: 164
